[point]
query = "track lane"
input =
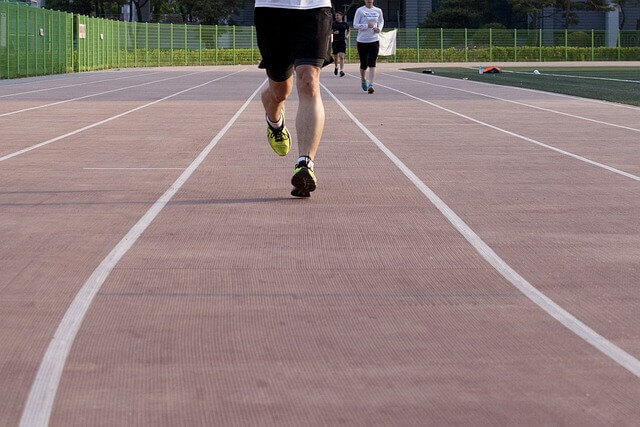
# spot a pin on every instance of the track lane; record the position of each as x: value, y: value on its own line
x: 614, y: 150
x: 60, y: 220
x: 525, y: 103
x: 360, y: 305
x: 566, y: 228
x: 18, y: 143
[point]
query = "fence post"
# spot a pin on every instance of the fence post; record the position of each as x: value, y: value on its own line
x: 8, y: 16
x: 200, y: 43
x: 126, y: 45
x: 26, y: 22
x: 45, y: 44
x: 135, y: 43
x: 17, y: 42
x: 158, y: 44
x: 515, y: 45
x: 252, y: 44
x: 171, y: 40
x: 619, y: 45
x: 418, y: 42
x: 94, y: 52
x: 395, y: 55
x: 349, y: 48
x: 592, y: 45
x: 466, y: 46
x: 491, y: 43
x: 540, y: 42
x: 146, y: 44
x: 35, y: 37
x: 113, y: 43
x: 60, y: 56
x: 186, y: 46
x: 234, y: 45
x: 566, y: 44
x: 441, y: 44
x: 216, y: 62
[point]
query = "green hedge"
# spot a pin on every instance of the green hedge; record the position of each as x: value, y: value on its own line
x: 165, y: 57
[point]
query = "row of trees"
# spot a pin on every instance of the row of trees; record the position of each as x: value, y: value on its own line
x: 202, y: 11
x: 516, y: 13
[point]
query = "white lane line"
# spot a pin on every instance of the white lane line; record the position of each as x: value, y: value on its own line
x: 130, y: 169
x: 41, y: 79
x: 77, y: 84
x: 542, y: 92
x: 517, y: 103
x: 95, y: 94
x: 574, y: 77
x: 541, y: 300
x: 101, y: 122
x: 524, y: 138
x: 39, y: 404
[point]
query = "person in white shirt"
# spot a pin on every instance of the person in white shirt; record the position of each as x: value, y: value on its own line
x: 369, y: 21
x: 294, y: 34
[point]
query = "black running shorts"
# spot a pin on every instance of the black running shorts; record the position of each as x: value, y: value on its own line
x: 368, y: 53
x: 292, y: 37
x: 339, y: 46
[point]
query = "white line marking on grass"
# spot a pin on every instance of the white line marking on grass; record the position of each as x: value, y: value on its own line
x: 101, y: 122
x: 518, y: 103
x: 560, y: 95
x: 130, y: 169
x: 95, y: 94
x: 77, y: 84
x: 614, y: 352
x: 37, y: 409
x: 533, y: 141
x: 574, y: 77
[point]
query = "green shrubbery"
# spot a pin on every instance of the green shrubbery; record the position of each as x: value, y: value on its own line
x: 164, y: 57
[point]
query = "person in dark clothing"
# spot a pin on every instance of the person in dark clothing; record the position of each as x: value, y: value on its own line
x: 341, y: 33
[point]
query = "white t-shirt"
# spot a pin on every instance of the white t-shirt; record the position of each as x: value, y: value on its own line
x: 361, y: 20
x: 293, y: 4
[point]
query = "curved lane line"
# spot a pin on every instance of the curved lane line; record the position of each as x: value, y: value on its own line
x: 518, y: 103
x: 533, y: 141
x: 39, y: 405
x: 77, y: 131
x: 569, y: 321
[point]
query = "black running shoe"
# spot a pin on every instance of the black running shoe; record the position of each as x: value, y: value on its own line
x: 303, y: 179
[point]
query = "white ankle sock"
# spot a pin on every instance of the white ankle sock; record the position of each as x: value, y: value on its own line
x: 278, y: 124
x: 307, y: 160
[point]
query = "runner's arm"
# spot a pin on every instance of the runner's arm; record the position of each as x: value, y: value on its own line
x: 380, y: 21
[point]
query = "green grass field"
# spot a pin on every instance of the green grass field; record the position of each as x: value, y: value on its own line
x: 615, y: 84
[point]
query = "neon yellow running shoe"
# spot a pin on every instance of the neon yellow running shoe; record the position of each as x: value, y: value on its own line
x: 279, y: 139
x: 303, y: 179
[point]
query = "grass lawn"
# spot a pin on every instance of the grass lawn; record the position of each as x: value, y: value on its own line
x: 603, y: 83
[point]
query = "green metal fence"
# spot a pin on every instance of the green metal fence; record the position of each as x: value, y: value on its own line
x: 106, y: 44
x: 34, y: 41
x: 38, y: 41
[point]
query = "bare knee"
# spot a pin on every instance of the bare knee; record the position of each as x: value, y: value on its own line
x: 308, y: 79
x: 279, y: 96
x: 279, y: 91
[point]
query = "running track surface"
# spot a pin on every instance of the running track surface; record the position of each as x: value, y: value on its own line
x: 361, y: 305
